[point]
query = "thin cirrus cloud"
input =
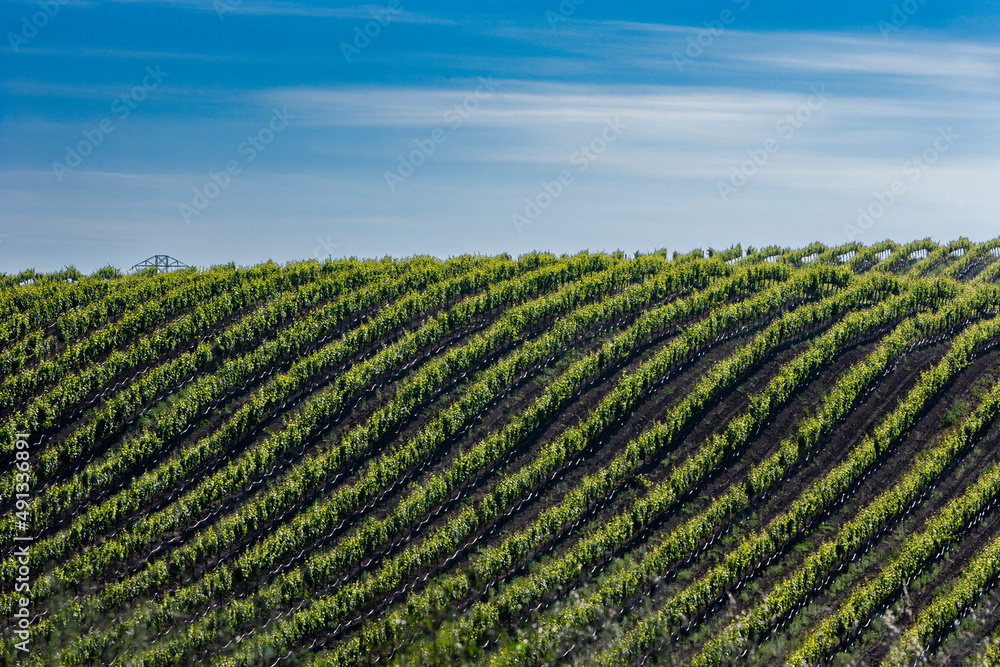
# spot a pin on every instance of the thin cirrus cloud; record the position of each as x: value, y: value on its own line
x: 265, y: 8
x: 938, y: 63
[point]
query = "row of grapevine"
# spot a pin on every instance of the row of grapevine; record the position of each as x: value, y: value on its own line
x: 975, y: 257
x: 393, y: 625
x: 270, y: 396
x: 928, y: 466
x: 23, y: 310
x: 686, y: 476
x: 213, y: 295
x: 321, y: 517
x: 320, y: 463
x: 43, y: 411
x: 746, y: 557
x: 658, y: 499
x: 940, y: 532
x: 989, y: 655
x: 552, y: 457
x: 947, y: 609
x: 77, y: 322
x: 314, y: 468
x: 203, y: 394
x: 526, y: 285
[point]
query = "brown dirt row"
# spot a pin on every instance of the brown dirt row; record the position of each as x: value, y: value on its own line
x: 520, y: 393
x: 970, y: 272
x: 209, y: 424
x: 428, y: 412
x: 861, y: 419
x: 82, y: 411
x: 981, y: 623
x: 582, y: 404
x: 894, y: 466
x: 369, y: 399
x: 759, y: 448
x: 651, y: 408
x: 235, y: 398
x: 48, y: 329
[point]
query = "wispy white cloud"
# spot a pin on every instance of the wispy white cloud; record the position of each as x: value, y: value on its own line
x: 525, y: 103
x: 929, y: 58
x: 138, y: 54
x: 365, y: 11
x: 931, y: 61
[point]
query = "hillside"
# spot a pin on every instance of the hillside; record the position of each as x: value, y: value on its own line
x: 784, y: 455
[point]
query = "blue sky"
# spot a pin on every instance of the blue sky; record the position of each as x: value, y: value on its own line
x: 253, y: 130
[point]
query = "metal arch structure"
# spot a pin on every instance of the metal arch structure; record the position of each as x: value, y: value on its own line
x: 160, y: 263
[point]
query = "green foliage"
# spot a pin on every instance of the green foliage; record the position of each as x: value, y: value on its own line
x: 959, y: 408
x: 494, y: 461
x: 107, y: 273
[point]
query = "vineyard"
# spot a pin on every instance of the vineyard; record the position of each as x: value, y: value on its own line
x: 756, y: 457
